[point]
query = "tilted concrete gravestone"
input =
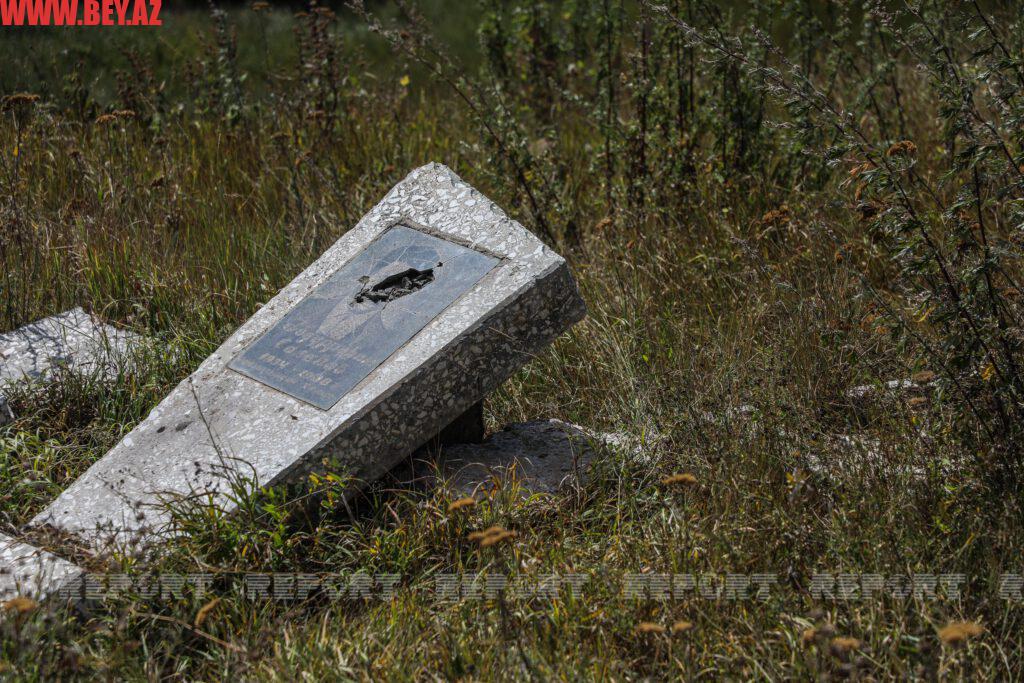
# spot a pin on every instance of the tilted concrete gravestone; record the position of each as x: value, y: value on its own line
x: 408, y: 320
x: 72, y: 341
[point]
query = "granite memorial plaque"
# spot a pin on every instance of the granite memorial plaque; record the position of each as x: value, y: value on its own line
x: 362, y: 314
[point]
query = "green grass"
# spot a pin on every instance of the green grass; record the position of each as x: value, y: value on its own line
x: 180, y: 221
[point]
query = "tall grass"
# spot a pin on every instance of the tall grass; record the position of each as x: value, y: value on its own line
x: 765, y: 205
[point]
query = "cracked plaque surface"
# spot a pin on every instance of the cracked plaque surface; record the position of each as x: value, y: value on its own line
x: 351, y: 323
x: 220, y: 424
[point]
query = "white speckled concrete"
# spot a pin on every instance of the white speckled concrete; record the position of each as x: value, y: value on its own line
x: 219, y: 420
x: 30, y: 572
x: 74, y: 341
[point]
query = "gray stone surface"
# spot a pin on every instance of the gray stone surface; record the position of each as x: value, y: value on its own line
x: 220, y: 423
x: 73, y: 341
x: 542, y: 456
x: 6, y: 415
x: 32, y: 573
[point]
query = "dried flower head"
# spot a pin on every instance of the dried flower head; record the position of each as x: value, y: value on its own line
x: 104, y: 119
x: 682, y: 627
x: 957, y: 633
x: 649, y: 627
x: 777, y: 218
x: 461, y: 503
x: 842, y: 647
x: 205, y: 611
x: 923, y: 377
x: 20, y: 605
x: 260, y: 6
x: 904, y: 148
x: 495, y: 539
x: 22, y: 99
x: 683, y: 479
x: 477, y: 536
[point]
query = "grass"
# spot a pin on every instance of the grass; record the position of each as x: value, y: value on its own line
x: 725, y: 329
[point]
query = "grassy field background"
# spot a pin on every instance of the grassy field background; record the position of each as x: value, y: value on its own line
x: 750, y: 226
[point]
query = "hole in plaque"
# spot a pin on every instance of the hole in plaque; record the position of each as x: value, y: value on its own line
x: 395, y: 286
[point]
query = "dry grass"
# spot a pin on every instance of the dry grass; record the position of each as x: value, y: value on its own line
x: 725, y: 329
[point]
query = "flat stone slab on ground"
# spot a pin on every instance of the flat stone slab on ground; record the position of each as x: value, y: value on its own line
x: 73, y: 341
x: 542, y: 456
x: 29, y: 572
x: 430, y: 302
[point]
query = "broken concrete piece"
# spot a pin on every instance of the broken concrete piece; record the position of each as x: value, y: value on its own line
x: 893, y: 386
x: 6, y: 414
x: 73, y: 341
x: 542, y: 456
x: 326, y: 376
x: 741, y: 412
x: 29, y: 572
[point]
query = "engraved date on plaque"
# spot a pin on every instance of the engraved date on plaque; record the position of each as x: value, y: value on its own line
x: 360, y: 315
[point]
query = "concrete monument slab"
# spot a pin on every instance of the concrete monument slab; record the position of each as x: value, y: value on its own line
x: 362, y: 358
x: 71, y: 341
